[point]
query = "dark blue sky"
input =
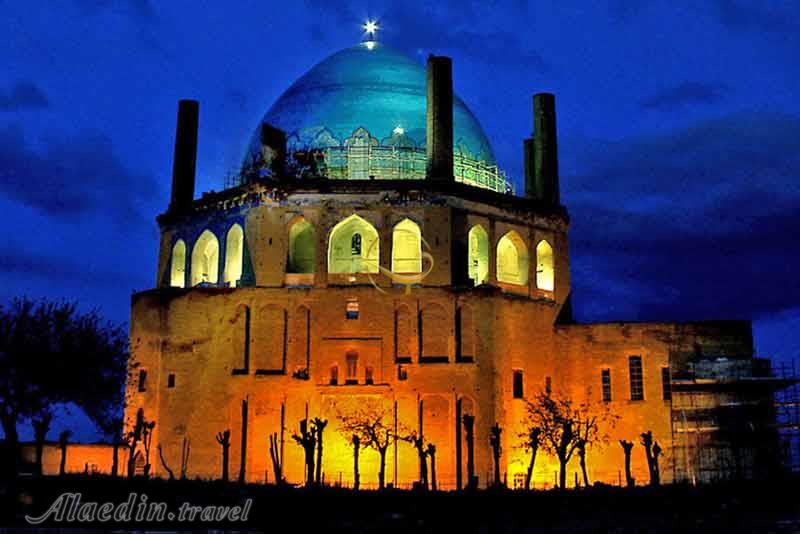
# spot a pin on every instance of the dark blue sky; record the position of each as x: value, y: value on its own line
x: 679, y: 132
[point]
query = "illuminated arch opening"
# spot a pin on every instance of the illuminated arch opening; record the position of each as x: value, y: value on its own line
x: 177, y: 276
x: 512, y: 259
x: 205, y: 259
x: 302, y: 248
x: 478, y: 255
x: 234, y: 249
x: 353, y: 247
x: 545, y: 271
x: 406, y: 247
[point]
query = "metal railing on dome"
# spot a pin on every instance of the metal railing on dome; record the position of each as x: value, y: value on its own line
x: 377, y: 162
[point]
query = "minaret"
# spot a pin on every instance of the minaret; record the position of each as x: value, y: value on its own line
x: 185, y: 159
x: 439, y: 123
x: 541, y: 152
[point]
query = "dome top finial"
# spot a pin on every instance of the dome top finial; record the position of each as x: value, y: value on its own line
x: 370, y: 29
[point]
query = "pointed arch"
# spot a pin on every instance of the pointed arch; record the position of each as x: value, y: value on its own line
x: 177, y: 275
x: 512, y: 259
x: 353, y: 247
x: 234, y: 252
x: 205, y: 259
x: 545, y: 269
x: 302, y: 247
x: 406, y: 247
x: 478, y: 256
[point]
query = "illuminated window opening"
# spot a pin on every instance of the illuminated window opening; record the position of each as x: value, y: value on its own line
x: 234, y: 250
x: 402, y: 372
x: 302, y: 248
x: 605, y: 379
x: 351, y: 310
x: 406, y: 247
x: 171, y: 380
x: 177, y: 277
x: 205, y: 259
x: 353, y: 247
x: 518, y: 384
x: 636, y: 377
x: 478, y: 256
x: 352, y: 368
x: 545, y: 272
x: 369, y: 375
x: 512, y: 259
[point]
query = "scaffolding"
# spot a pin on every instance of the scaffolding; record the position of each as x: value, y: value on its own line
x: 734, y: 419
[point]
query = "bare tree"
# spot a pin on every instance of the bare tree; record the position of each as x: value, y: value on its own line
x: 319, y: 427
x: 530, y: 443
x: 308, y: 440
x: 224, y: 439
x: 652, y: 451
x: 243, y: 455
x: 430, y: 450
x: 275, y: 456
x: 372, y: 424
x: 41, y: 426
x: 164, y: 462
x: 356, y: 475
x: 565, y: 425
x: 627, y: 447
x: 184, y: 457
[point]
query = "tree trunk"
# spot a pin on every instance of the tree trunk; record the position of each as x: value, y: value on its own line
x: 39, y: 454
x: 562, y: 473
x: 529, y: 474
x: 115, y: 457
x: 356, y: 477
x: 63, y: 465
x: 318, y: 473
x: 433, y: 472
x: 382, y: 470
x: 9, y: 422
x: 583, y: 470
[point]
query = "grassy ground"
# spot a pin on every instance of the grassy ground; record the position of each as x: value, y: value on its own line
x: 740, y: 507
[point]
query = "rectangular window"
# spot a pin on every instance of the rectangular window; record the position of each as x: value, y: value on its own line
x: 666, y: 384
x: 368, y: 378
x: 351, y: 311
x: 605, y: 377
x: 636, y: 377
x: 548, y: 385
x: 142, y: 380
x: 352, y: 368
x: 171, y: 380
x: 334, y: 375
x: 519, y: 391
x: 402, y: 372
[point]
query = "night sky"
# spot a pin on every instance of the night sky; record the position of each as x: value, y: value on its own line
x: 679, y: 135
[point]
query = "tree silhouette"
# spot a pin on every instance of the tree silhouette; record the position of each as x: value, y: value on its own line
x: 652, y: 451
x: 627, y: 447
x: 494, y: 441
x: 308, y: 441
x: 224, y: 439
x: 371, y: 424
x: 41, y: 426
x: 430, y: 450
x: 63, y: 441
x: 164, y: 462
x: 356, y: 474
x: 319, y: 428
x: 530, y: 443
x: 243, y: 455
x: 50, y: 353
x: 565, y: 425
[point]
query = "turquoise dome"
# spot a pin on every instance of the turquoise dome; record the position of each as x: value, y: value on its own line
x: 369, y: 86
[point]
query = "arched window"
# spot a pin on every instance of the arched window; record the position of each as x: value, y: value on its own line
x: 353, y: 247
x: 512, y: 259
x: 234, y: 249
x: 302, y: 248
x: 352, y: 368
x: 406, y: 247
x: 478, y: 255
x: 205, y: 259
x: 177, y: 276
x: 545, y: 272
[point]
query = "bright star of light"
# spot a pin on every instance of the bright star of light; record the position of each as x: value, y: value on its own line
x: 370, y: 27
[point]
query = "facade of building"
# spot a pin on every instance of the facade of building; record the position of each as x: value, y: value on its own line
x: 371, y: 255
